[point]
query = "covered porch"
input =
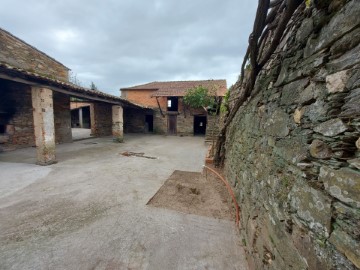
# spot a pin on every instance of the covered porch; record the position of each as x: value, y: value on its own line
x: 36, y: 111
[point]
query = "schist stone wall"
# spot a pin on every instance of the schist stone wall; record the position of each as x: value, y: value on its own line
x: 19, y: 54
x: 293, y: 150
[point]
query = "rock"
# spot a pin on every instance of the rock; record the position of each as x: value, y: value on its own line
x: 341, y: 23
x: 347, y: 218
x: 317, y: 111
x: 346, y: 245
x: 305, y: 30
x: 298, y: 114
x: 346, y: 61
x: 346, y: 43
x: 307, y: 247
x: 291, y: 151
x: 354, y: 163
x: 354, y: 80
x: 336, y: 82
x: 291, y: 92
x: 357, y: 143
x: 351, y: 107
x: 319, y: 149
x: 277, y: 125
x: 308, y: 94
x: 311, y: 207
x: 331, y: 128
x: 343, y: 184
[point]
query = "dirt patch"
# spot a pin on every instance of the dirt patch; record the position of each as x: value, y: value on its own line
x: 133, y: 154
x: 193, y: 193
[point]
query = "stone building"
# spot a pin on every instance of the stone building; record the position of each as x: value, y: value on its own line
x: 35, y: 101
x: 170, y: 114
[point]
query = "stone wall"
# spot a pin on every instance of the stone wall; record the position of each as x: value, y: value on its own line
x: 185, y: 119
x: 18, y: 125
x: 212, y: 127
x: 292, y: 151
x: 160, y: 123
x: 101, y: 119
x: 62, y: 118
x: 134, y: 120
x: 19, y: 54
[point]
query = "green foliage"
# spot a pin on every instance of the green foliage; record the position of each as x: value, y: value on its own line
x: 199, y: 97
x: 225, y: 103
x: 307, y: 3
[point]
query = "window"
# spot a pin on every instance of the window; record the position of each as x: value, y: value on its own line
x: 172, y: 104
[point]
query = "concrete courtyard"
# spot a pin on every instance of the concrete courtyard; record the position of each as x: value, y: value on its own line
x: 89, y: 210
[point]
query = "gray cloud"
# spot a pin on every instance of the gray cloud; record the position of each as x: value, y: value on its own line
x: 124, y: 43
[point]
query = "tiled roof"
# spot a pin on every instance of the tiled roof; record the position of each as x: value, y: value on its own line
x: 17, y: 74
x: 179, y: 88
x: 34, y: 48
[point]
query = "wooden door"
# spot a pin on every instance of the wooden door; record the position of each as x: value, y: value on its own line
x: 171, y: 124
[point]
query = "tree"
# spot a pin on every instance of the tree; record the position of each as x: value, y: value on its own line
x: 198, y: 97
x: 74, y: 79
x: 93, y: 86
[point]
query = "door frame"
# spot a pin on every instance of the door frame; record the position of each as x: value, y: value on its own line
x: 169, y: 118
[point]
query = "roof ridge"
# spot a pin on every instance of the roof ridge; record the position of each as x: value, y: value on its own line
x: 169, y: 82
x: 209, y: 80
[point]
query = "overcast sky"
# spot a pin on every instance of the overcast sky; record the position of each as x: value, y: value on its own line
x: 121, y: 43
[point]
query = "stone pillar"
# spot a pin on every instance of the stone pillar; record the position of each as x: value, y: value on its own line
x: 81, y: 124
x: 117, y: 123
x: 44, y: 129
x: 93, y: 120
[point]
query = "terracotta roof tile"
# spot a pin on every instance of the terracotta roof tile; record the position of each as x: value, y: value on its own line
x: 26, y: 75
x: 179, y: 88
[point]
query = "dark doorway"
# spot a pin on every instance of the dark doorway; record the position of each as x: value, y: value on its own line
x: 199, y: 125
x: 80, y: 117
x: 172, y: 104
x: 149, y: 123
x: 172, y: 124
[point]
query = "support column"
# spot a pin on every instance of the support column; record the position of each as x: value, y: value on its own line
x: 81, y: 123
x: 117, y: 123
x: 44, y: 129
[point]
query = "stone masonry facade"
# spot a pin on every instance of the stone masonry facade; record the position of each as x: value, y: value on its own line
x: 293, y: 150
x: 184, y: 118
x: 62, y: 118
x: 18, y: 53
x: 19, y: 128
x: 101, y: 119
